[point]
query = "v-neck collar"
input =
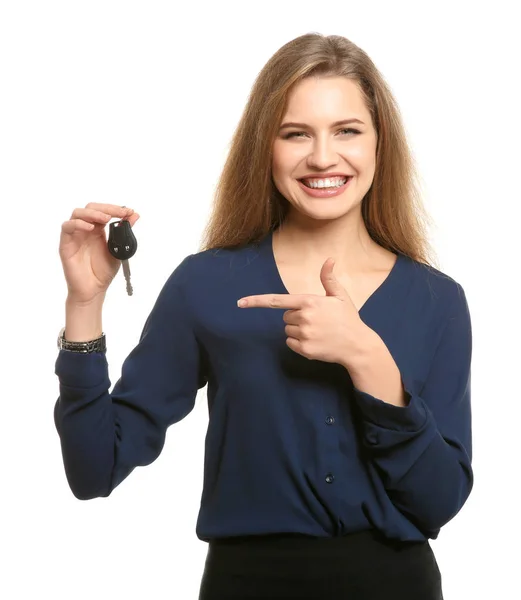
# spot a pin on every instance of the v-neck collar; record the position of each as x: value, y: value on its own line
x: 385, y: 288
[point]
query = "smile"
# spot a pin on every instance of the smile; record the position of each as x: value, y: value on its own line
x: 325, y: 192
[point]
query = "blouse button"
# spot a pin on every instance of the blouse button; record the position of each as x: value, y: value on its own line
x: 330, y: 478
x: 372, y: 437
x: 330, y: 420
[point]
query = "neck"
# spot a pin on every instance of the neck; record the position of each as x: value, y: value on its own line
x: 309, y: 245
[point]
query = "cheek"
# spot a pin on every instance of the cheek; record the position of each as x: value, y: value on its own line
x: 283, y: 165
x: 282, y: 158
x: 277, y: 161
x: 362, y: 153
x: 287, y: 157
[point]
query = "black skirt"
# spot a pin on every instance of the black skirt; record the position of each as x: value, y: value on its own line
x: 358, y: 566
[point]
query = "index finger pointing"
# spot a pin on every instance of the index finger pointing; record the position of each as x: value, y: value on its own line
x: 294, y: 301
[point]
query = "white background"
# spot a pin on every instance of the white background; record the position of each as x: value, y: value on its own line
x: 134, y: 103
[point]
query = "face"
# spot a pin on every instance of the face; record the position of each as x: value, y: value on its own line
x: 317, y: 147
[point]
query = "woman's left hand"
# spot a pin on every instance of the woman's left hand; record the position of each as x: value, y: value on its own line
x: 326, y: 328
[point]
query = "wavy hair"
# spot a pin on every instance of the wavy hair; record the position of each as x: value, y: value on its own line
x: 247, y: 205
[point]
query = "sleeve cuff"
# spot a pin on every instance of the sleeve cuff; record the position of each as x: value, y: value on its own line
x: 77, y: 370
x: 411, y: 417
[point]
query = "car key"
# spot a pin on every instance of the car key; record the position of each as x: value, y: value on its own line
x: 122, y: 244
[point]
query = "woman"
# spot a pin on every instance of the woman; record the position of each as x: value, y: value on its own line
x: 339, y: 438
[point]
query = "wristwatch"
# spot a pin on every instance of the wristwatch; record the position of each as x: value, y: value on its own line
x: 97, y: 345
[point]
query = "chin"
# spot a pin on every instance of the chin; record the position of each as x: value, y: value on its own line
x: 325, y: 212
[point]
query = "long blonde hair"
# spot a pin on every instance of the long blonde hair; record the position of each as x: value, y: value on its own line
x: 247, y: 205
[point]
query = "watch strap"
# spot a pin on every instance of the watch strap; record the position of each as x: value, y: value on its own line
x: 97, y: 345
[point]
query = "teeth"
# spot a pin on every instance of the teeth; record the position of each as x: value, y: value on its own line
x: 325, y: 183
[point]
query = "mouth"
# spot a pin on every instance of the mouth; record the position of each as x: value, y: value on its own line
x: 341, y: 183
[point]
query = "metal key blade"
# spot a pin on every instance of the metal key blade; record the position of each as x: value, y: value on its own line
x: 126, y: 273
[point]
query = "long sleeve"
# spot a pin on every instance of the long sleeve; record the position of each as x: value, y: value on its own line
x: 423, y: 451
x: 105, y: 436
x: 291, y: 445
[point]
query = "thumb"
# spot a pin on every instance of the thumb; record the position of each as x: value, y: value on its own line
x: 331, y: 284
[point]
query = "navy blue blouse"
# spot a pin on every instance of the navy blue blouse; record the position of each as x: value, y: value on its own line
x: 292, y: 445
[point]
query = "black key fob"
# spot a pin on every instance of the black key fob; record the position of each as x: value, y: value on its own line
x: 122, y: 242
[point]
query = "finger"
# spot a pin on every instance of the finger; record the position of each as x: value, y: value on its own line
x: 111, y: 209
x: 76, y: 225
x: 293, y: 301
x: 91, y: 215
x: 292, y: 317
x: 132, y: 219
x: 292, y: 331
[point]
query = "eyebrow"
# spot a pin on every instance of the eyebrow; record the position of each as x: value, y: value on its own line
x: 335, y: 124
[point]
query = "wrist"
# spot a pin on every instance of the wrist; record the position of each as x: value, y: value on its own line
x: 98, y: 344
x: 361, y: 352
x: 74, y: 302
x: 83, y: 321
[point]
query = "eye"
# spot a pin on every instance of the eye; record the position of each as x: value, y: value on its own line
x: 298, y: 133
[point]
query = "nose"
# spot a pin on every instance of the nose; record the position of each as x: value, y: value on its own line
x: 323, y: 154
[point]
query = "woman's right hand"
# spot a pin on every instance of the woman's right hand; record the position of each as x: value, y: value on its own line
x: 88, y: 266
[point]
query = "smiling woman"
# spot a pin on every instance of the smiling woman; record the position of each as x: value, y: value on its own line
x: 320, y: 168
x: 339, y: 436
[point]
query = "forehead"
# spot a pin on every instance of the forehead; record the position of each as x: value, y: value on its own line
x: 328, y: 97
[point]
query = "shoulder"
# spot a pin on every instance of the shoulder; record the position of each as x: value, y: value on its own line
x: 213, y: 267
x: 435, y: 287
